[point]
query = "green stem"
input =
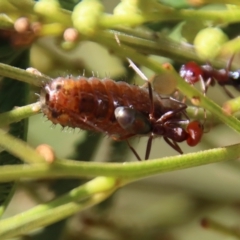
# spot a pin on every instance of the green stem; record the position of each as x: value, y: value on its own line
x: 224, y: 17
x: 23, y: 75
x: 19, y: 148
x: 52, y: 12
x: 5, y: 22
x: 76, y: 200
x: 148, y: 42
x: 23, y: 6
x: 220, y: 17
x: 130, y: 171
x: 51, y: 29
x: 156, y: 45
x: 19, y: 113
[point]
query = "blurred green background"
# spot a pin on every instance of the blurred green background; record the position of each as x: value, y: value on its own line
x: 168, y: 206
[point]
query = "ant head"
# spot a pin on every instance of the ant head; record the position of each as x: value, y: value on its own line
x: 191, y: 72
x: 195, y: 131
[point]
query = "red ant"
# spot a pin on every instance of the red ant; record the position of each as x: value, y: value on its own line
x: 192, y: 73
x: 119, y: 109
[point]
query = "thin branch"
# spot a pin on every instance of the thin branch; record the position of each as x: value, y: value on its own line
x: 22, y: 75
x: 80, y: 198
x: 130, y: 171
x: 19, y: 148
x: 19, y: 113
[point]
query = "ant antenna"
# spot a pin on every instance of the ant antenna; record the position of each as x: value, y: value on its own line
x: 137, y: 70
x: 141, y: 74
x: 230, y: 61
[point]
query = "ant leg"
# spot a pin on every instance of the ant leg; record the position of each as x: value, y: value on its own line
x: 126, y: 137
x: 149, y: 146
x: 204, y: 85
x: 173, y: 144
x: 136, y: 123
x: 91, y: 125
x: 182, y: 108
x: 227, y: 92
x: 207, y: 84
x: 173, y: 123
x: 205, y: 88
x: 228, y: 67
x: 151, y: 100
x: 170, y: 114
x: 133, y: 150
x: 184, y: 99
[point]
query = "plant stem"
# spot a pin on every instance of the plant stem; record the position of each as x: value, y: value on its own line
x: 219, y: 17
x: 130, y: 171
x: 19, y: 113
x: 19, y: 148
x: 170, y: 14
x: 156, y: 45
x: 76, y: 200
x: 23, y: 75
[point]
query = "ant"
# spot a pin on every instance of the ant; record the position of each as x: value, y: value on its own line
x: 191, y: 72
x: 168, y: 125
x: 120, y: 110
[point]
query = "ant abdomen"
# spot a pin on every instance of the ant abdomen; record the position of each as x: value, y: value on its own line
x: 195, y: 132
x: 132, y: 120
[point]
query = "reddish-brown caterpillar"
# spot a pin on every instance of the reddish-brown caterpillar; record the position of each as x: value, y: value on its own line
x: 118, y: 109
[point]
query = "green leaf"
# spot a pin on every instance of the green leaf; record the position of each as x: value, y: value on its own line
x: 12, y: 93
